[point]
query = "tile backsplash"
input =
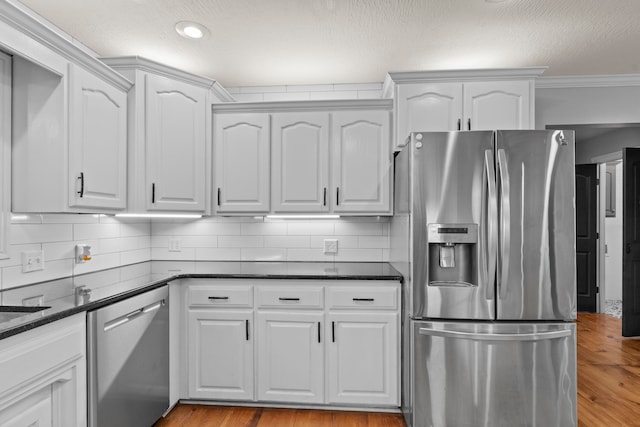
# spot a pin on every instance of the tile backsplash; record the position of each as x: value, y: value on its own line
x: 116, y: 242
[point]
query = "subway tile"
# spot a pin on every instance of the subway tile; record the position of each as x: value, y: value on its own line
x: 39, y: 233
x: 23, y: 218
x: 15, y: 254
x: 263, y: 228
x: 371, y: 255
x: 98, y: 262
x: 217, y: 254
x: 172, y: 267
x: 310, y: 88
x: 286, y: 241
x: 386, y: 255
x: 343, y: 241
x: 308, y: 255
x: 249, y: 97
x: 13, y: 276
x: 262, y: 254
x: 164, y: 254
x: 95, y: 231
x: 358, y: 228
x: 343, y: 94
x: 60, y: 250
x: 135, y: 229
x: 217, y: 228
x: 287, y: 96
x: 295, y: 228
x: 144, y: 242
x: 357, y: 86
x: 118, y: 244
x: 378, y: 242
x: 129, y: 272
x: 240, y: 241
x: 138, y: 255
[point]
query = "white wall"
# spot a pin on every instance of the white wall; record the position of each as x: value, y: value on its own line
x: 249, y: 239
x: 114, y: 242
x: 613, y: 240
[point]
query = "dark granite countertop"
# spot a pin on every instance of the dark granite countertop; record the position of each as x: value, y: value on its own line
x: 115, y: 284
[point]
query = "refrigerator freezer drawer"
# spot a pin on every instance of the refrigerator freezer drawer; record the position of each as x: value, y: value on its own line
x: 494, y: 374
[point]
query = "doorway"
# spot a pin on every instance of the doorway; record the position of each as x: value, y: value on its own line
x: 603, y: 145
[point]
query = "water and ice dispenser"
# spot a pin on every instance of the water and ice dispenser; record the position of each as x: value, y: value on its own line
x: 453, y: 254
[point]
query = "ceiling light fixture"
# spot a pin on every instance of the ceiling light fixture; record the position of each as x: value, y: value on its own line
x: 191, y: 30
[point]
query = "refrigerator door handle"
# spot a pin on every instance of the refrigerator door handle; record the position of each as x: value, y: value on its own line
x: 492, y: 232
x: 535, y: 336
x: 505, y: 220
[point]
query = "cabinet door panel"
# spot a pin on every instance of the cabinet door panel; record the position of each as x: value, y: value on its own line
x: 428, y: 107
x: 497, y: 105
x: 300, y: 162
x: 290, y: 357
x: 97, y: 142
x: 176, y: 145
x: 242, y: 162
x: 220, y: 355
x: 362, y: 165
x: 363, y: 358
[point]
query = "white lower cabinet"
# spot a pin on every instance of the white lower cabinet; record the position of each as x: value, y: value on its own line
x: 314, y: 342
x: 43, y: 376
x: 220, y: 355
x: 363, y: 358
x: 290, y: 356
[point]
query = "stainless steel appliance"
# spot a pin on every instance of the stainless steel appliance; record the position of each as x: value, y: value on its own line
x: 128, y: 361
x: 484, y: 234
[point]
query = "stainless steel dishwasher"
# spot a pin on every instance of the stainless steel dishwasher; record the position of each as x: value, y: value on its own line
x: 128, y: 361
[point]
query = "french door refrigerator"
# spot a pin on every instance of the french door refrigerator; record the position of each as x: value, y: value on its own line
x: 484, y: 234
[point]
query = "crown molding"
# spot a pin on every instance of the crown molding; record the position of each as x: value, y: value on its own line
x: 601, y: 80
x: 323, y: 105
x: 462, y: 75
x: 30, y: 24
x: 148, y: 65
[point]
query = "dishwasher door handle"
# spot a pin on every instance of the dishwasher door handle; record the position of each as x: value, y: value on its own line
x: 121, y: 320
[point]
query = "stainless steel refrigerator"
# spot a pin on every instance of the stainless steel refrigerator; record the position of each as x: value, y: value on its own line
x: 484, y: 234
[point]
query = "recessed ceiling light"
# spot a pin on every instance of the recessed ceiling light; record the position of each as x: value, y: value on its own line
x: 191, y: 30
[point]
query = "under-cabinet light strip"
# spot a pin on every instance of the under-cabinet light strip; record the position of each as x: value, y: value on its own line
x: 145, y: 215
x: 302, y: 216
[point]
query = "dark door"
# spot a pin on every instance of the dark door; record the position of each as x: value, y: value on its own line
x: 631, y: 242
x: 586, y: 236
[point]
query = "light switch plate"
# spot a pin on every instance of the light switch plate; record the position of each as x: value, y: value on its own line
x: 175, y: 245
x: 330, y: 246
x: 32, y: 261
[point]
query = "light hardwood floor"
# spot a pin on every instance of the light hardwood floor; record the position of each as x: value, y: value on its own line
x: 608, y: 391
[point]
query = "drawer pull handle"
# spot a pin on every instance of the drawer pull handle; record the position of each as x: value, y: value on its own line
x: 288, y: 299
x: 318, y: 331
x: 246, y: 328
x: 218, y: 298
x: 333, y: 331
x: 364, y: 299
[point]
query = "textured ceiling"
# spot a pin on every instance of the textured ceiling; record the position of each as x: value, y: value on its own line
x: 266, y: 42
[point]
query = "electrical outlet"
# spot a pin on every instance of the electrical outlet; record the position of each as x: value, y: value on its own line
x: 175, y: 245
x: 32, y: 261
x: 330, y: 246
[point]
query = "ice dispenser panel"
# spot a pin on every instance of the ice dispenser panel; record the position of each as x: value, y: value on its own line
x: 452, y: 254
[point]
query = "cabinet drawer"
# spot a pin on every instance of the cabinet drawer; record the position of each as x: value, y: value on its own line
x: 220, y: 296
x: 362, y: 297
x: 289, y: 296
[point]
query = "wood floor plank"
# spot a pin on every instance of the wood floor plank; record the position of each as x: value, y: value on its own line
x: 313, y: 418
x: 277, y: 417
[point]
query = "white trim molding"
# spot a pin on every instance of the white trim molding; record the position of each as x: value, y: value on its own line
x: 604, y: 80
x: 324, y: 105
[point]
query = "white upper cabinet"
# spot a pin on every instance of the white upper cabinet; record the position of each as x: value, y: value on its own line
x: 170, y: 152
x: 429, y: 107
x: 497, y: 105
x: 176, y: 144
x: 300, y: 162
x: 462, y: 100
x: 97, y: 142
x: 361, y: 163
x: 242, y: 167
x: 69, y: 148
x: 307, y: 157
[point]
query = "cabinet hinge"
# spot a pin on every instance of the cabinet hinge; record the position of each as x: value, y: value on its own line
x: 597, y: 289
x: 597, y: 236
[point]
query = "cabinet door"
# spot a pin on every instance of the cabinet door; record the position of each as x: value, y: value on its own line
x: 290, y: 357
x: 176, y: 145
x: 97, y: 142
x: 427, y: 107
x: 300, y: 162
x: 361, y: 166
x: 242, y: 162
x: 497, y: 105
x: 220, y: 355
x: 363, y: 358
